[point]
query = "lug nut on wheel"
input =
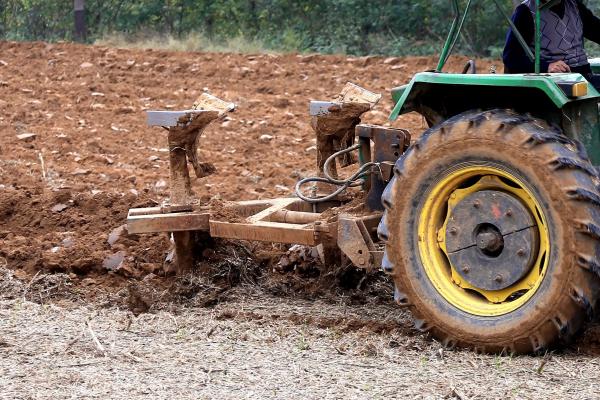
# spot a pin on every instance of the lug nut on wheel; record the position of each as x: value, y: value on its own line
x: 498, y: 278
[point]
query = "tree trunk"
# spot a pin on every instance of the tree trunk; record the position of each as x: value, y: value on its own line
x: 79, y: 11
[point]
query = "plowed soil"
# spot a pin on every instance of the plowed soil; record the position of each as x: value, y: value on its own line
x: 75, y: 155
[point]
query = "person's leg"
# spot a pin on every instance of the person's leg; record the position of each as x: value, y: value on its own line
x: 594, y: 79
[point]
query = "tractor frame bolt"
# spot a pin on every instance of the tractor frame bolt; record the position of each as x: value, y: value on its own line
x: 498, y: 278
x: 521, y: 252
x: 466, y: 269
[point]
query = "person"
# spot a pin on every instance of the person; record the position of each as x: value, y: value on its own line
x: 563, y: 27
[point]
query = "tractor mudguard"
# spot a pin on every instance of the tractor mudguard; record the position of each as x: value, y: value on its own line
x: 566, y: 100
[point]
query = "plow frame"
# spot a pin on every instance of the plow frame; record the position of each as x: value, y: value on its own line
x: 281, y: 220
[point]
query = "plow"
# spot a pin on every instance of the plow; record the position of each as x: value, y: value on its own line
x: 488, y: 221
x: 297, y: 220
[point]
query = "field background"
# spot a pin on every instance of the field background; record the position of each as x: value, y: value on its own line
x: 354, y: 27
x: 86, y: 310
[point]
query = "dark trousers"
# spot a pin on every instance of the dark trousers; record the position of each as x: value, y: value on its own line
x: 594, y: 79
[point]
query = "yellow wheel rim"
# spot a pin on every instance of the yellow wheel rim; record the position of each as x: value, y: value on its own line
x: 433, y: 218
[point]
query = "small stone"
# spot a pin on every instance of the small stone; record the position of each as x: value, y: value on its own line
x: 80, y: 171
x: 153, y: 158
x: 55, y: 249
x: 310, y: 149
x: 114, y: 262
x: 389, y: 60
x: 116, y: 233
x: 68, y: 242
x: 265, y: 138
x: 398, y: 67
x: 97, y: 106
x: 27, y: 137
x: 86, y: 65
x: 284, y: 261
x: 170, y: 257
x: 97, y: 94
x: 3, y: 63
x: 282, y: 188
x: 126, y: 110
x: 161, y: 184
x: 115, y: 128
x: 245, y: 71
x: 60, y: 207
x: 255, y: 178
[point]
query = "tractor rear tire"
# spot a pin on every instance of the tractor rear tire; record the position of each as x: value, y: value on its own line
x: 552, y: 178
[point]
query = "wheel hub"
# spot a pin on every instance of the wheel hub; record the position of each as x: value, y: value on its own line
x: 491, y: 239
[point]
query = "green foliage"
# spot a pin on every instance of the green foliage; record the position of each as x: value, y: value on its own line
x: 359, y: 27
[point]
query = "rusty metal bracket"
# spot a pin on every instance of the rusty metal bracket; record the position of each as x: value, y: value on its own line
x: 156, y: 219
x: 355, y: 239
x: 384, y: 146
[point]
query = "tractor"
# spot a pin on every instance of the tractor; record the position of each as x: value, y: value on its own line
x: 488, y: 222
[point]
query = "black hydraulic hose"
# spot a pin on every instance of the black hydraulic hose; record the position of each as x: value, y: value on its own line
x: 342, y: 183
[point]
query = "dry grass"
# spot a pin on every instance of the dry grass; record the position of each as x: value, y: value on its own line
x: 193, y: 41
x: 257, y: 346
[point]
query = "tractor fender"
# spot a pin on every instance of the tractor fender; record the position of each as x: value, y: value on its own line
x: 439, y: 96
